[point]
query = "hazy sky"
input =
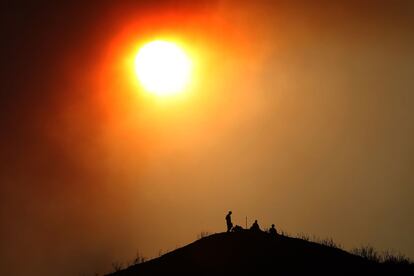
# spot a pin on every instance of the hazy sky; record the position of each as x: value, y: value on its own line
x: 301, y: 114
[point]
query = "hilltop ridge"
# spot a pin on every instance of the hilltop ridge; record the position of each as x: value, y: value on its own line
x: 251, y: 253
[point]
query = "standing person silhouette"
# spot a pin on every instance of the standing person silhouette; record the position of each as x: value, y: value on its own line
x: 228, y: 221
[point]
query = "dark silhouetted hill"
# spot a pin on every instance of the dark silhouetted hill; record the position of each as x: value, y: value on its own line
x: 248, y: 253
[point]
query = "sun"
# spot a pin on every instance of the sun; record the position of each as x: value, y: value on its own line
x: 162, y: 67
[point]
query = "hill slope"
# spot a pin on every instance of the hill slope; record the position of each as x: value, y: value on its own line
x: 248, y: 253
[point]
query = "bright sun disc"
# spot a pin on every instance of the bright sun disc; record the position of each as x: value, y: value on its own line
x: 162, y: 67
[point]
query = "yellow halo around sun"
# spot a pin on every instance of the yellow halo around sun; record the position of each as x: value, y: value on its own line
x: 162, y: 67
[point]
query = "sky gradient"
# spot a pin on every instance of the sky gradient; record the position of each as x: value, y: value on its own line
x: 300, y: 114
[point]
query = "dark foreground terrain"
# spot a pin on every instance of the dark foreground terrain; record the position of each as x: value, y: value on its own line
x: 248, y: 253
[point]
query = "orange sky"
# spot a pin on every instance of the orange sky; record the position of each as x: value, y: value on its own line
x: 299, y: 114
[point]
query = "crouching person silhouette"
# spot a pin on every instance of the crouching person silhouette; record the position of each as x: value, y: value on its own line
x: 228, y: 221
x: 255, y: 227
x: 272, y: 231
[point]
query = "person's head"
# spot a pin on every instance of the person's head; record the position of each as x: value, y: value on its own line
x: 255, y: 221
x: 230, y: 212
x: 273, y: 226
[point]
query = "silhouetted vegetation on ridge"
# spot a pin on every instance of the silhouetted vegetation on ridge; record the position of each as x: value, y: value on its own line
x: 255, y: 252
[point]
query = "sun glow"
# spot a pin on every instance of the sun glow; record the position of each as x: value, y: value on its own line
x: 162, y: 67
